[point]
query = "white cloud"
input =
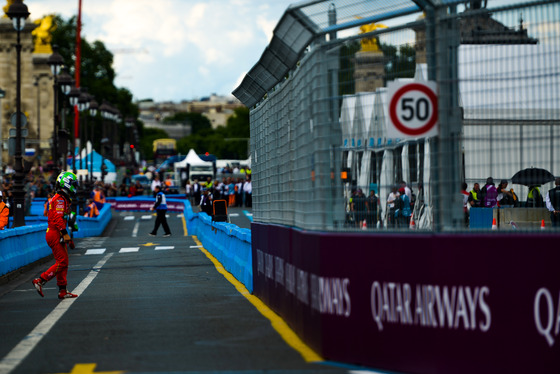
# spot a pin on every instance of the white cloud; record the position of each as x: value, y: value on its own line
x: 168, y: 49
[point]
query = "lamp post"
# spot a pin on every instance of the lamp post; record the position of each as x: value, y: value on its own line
x: 83, y: 106
x: 93, y: 107
x: 36, y: 84
x: 55, y: 61
x: 105, y: 110
x: 129, y: 123
x: 65, y: 83
x: 73, y: 97
x: 18, y: 13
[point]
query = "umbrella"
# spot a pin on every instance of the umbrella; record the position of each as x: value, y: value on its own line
x: 532, y: 177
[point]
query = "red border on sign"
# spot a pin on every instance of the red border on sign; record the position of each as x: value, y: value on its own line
x: 393, y: 109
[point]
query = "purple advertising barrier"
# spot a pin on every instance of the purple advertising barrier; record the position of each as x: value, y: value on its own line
x: 128, y: 204
x: 416, y: 303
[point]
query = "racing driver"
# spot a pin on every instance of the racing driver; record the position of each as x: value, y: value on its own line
x: 57, y: 235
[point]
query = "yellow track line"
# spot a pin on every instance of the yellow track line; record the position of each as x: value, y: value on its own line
x: 184, y: 225
x: 277, y: 322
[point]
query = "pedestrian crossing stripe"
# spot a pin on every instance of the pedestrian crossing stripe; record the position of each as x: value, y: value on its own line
x: 129, y: 249
x: 96, y: 251
x: 129, y: 218
x: 163, y: 248
x: 147, y: 217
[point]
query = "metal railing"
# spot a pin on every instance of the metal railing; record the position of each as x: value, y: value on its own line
x: 319, y: 126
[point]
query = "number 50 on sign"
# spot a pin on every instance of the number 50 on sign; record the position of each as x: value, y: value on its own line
x: 413, y: 109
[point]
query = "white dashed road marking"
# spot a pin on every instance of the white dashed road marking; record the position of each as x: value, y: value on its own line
x: 96, y: 251
x: 129, y: 249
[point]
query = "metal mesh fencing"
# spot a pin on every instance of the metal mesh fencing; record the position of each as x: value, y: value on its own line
x: 322, y: 152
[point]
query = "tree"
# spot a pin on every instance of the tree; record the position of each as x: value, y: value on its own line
x: 229, y: 142
x: 198, y: 122
x: 96, y: 74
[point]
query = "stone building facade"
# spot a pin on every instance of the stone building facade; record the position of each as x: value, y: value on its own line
x: 36, y: 92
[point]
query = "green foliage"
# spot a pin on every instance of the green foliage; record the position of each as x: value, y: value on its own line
x: 399, y: 63
x: 198, y: 122
x: 228, y: 142
x: 346, y: 84
x: 96, y: 75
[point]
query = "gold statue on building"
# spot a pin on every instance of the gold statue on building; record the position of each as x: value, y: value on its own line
x: 370, y: 44
x: 7, y: 7
x: 43, y: 34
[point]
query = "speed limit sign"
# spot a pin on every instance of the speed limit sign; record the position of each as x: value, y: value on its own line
x: 413, y: 109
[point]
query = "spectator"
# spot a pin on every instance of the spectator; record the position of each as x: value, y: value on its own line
x: 46, y: 206
x: 196, y: 191
x: 98, y: 196
x: 534, y: 198
x: 371, y: 204
x: 248, y: 193
x: 4, y: 212
x: 393, y: 195
x: 505, y: 197
x: 402, y: 209
x: 465, y: 195
x: 205, y: 204
x: 474, y: 197
x: 139, y: 188
x: 155, y: 183
x: 239, y: 193
x: 358, y: 208
x: 553, y: 203
x: 231, y: 192
x: 489, y: 194
x: 91, y: 209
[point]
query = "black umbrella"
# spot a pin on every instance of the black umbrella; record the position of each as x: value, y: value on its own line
x: 532, y: 177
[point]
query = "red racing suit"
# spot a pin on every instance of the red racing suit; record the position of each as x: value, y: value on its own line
x: 59, y: 210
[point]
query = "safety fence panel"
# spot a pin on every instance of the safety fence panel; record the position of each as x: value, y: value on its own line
x: 327, y: 142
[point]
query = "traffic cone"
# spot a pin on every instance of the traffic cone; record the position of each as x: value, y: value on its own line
x: 542, y: 225
x: 494, y: 225
x: 364, y: 225
x: 412, y: 224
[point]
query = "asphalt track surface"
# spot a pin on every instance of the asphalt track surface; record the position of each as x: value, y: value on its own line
x: 146, y: 305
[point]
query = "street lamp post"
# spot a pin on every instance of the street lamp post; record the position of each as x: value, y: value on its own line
x: 18, y: 13
x: 73, y: 97
x: 65, y: 83
x: 83, y: 106
x: 93, y: 107
x: 105, y: 110
x: 55, y: 61
x: 36, y: 84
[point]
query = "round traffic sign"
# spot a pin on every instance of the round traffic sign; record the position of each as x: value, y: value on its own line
x: 413, y: 109
x: 23, y: 119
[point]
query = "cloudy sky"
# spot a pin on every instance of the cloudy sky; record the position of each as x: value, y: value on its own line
x: 175, y: 49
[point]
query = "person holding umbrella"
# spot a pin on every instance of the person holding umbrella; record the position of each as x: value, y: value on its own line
x: 533, y: 178
x: 553, y: 203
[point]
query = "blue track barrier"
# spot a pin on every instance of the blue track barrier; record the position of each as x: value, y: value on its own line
x: 229, y: 244
x: 22, y: 246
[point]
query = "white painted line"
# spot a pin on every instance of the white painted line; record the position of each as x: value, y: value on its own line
x: 195, y: 246
x: 129, y: 218
x: 163, y: 248
x: 97, y: 251
x: 147, y: 217
x: 22, y: 350
x: 234, y: 214
x: 135, y: 229
x: 129, y: 249
x: 167, y: 216
x: 180, y: 215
